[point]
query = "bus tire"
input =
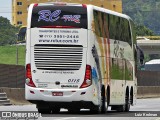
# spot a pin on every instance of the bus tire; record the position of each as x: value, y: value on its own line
x: 44, y: 109
x: 126, y: 106
x: 131, y: 96
x: 103, y: 101
x: 107, y: 98
x: 55, y: 110
x: 95, y: 110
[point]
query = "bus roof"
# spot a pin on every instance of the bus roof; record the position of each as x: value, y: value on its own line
x: 91, y: 6
x: 59, y: 4
x: 111, y: 12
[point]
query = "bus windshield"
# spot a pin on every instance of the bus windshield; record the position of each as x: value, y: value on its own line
x: 59, y: 16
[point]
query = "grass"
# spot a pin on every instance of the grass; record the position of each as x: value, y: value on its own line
x: 8, y: 55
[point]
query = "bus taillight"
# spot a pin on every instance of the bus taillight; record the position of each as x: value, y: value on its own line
x: 29, y: 80
x: 58, y: 27
x: 84, y: 5
x: 88, y: 77
x: 35, y: 5
x: 60, y: 3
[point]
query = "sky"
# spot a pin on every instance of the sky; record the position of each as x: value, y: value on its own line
x: 6, y: 8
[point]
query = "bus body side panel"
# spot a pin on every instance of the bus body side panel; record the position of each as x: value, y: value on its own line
x: 92, y: 57
x: 101, y: 46
x: 92, y: 60
x: 121, y: 58
x: 28, y: 46
x: 134, y: 83
x: 28, y: 35
x: 122, y: 66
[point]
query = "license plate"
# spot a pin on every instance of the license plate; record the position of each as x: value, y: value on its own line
x: 57, y: 93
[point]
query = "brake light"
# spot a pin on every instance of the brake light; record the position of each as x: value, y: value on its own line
x: 88, y: 77
x: 29, y: 80
x: 60, y: 3
x: 57, y: 27
x: 84, y: 5
x: 35, y: 5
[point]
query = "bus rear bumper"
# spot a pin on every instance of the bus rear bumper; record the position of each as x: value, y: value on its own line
x: 58, y: 96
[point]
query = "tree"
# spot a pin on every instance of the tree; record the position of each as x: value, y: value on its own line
x: 141, y: 30
x: 144, y: 13
x: 7, y: 32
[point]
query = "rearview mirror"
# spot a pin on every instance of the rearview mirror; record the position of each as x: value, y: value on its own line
x: 140, y: 55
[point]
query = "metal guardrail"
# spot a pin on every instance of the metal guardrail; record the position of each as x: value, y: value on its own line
x: 13, y: 76
x: 148, y: 78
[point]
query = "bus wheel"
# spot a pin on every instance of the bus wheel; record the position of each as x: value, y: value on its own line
x: 95, y: 110
x: 126, y: 106
x: 102, y: 107
x: 103, y: 102
x: 43, y: 109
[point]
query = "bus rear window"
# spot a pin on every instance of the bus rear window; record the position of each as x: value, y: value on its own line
x: 52, y: 16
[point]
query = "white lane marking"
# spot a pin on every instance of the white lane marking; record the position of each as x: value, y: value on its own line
x: 68, y: 118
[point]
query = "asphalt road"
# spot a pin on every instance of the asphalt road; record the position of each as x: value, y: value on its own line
x: 145, y: 109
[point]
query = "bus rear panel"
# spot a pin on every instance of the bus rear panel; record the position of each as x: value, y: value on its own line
x: 57, y: 72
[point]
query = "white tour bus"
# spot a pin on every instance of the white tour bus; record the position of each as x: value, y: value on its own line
x: 79, y: 57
